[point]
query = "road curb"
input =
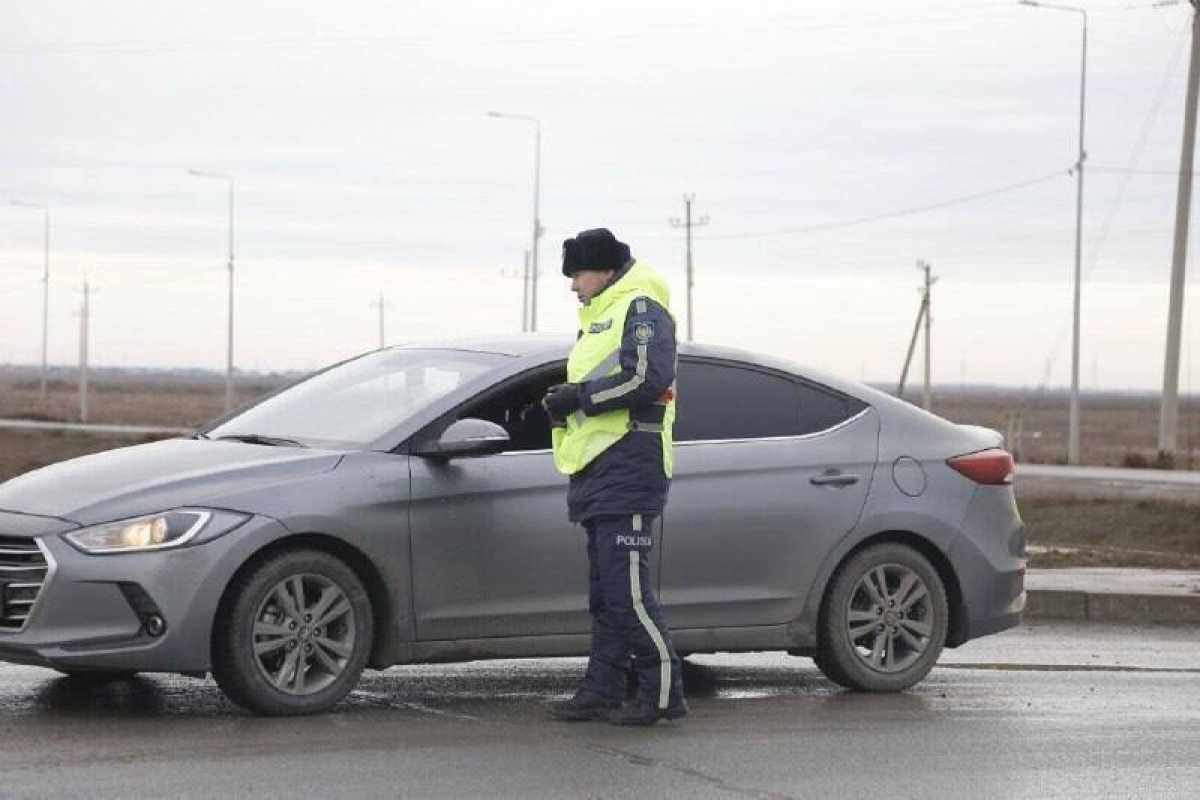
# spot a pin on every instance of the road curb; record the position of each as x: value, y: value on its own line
x: 1144, y: 609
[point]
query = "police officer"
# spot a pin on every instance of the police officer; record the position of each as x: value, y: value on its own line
x: 612, y: 435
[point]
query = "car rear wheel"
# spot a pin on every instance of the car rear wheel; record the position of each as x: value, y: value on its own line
x: 884, y: 620
x: 293, y: 634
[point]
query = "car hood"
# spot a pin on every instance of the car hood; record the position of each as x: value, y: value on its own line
x: 147, y: 478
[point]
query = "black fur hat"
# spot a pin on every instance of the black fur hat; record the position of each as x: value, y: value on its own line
x: 594, y: 249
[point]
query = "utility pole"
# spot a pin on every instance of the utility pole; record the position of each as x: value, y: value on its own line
x: 84, y: 314
x: 525, y: 295
x: 912, y: 345
x: 1073, y: 412
x: 1168, y: 421
x: 45, y: 303
x: 45, y: 289
x: 927, y: 400
x: 382, y: 305
x: 537, y: 220
x: 229, y: 338
x: 687, y: 224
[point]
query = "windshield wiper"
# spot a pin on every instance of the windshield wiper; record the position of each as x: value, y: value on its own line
x: 258, y: 438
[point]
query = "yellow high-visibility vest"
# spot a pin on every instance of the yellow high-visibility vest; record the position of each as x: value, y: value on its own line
x: 596, y: 354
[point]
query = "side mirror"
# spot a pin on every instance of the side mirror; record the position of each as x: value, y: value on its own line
x: 468, y: 437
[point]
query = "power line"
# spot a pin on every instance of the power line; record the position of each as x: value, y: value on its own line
x: 903, y: 212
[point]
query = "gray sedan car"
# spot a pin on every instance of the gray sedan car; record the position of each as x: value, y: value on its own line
x: 403, y: 507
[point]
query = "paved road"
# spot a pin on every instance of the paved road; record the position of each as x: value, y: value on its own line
x: 1046, y: 711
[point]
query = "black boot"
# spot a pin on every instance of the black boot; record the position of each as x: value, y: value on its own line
x: 642, y: 714
x: 584, y: 705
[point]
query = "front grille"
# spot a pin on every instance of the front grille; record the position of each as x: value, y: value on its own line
x: 23, y: 570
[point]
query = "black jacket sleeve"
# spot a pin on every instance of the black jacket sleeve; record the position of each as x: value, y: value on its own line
x: 647, y: 362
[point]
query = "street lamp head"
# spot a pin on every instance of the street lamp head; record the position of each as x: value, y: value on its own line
x: 202, y: 174
x: 1056, y: 7
x: 522, y: 117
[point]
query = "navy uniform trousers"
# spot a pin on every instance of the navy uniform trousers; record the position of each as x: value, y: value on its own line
x: 626, y: 617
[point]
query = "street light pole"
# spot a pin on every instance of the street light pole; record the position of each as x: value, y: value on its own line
x: 537, y: 221
x: 1073, y: 423
x: 1169, y: 414
x: 229, y: 339
x: 45, y: 289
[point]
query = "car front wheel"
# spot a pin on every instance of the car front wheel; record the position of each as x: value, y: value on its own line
x: 293, y: 634
x: 884, y: 620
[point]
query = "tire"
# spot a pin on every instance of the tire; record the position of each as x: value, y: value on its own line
x: 884, y: 620
x: 292, y: 634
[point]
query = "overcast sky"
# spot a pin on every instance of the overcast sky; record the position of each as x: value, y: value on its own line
x: 364, y: 162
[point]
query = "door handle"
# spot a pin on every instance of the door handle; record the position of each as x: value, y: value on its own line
x: 833, y: 478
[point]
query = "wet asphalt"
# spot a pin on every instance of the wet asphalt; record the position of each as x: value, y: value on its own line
x: 1049, y: 710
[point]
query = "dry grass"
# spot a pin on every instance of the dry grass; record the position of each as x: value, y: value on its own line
x: 1114, y: 429
x: 129, y: 402
x: 1112, y: 531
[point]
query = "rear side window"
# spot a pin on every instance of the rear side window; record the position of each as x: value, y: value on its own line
x: 721, y: 401
x: 822, y: 408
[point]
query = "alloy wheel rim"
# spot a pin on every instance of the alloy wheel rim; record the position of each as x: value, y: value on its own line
x: 889, y: 618
x: 303, y: 635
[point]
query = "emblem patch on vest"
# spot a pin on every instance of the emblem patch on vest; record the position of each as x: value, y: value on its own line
x: 600, y: 327
x: 643, y: 332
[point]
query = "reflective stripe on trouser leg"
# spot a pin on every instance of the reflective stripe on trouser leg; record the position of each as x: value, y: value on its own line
x: 635, y: 588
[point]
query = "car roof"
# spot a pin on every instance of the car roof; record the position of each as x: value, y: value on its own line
x: 546, y: 346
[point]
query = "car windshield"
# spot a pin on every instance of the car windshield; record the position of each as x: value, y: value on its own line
x: 355, y: 403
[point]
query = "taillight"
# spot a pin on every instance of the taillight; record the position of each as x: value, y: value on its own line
x: 992, y: 467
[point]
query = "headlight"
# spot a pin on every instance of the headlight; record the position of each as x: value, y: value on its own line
x: 156, y: 532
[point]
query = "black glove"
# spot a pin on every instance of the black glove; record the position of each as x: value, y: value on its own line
x: 561, y: 400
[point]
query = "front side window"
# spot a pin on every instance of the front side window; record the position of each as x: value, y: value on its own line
x: 516, y: 407
x: 353, y: 404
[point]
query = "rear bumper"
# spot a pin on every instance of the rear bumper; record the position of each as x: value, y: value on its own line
x: 989, y: 559
x: 92, y: 610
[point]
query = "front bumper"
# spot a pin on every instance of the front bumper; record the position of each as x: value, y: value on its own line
x: 91, y: 612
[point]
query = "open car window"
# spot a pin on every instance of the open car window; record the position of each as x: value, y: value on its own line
x: 515, y: 406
